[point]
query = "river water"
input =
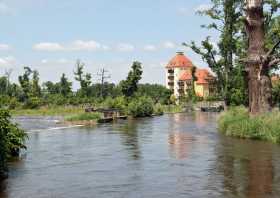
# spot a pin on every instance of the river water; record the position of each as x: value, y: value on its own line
x: 179, y: 155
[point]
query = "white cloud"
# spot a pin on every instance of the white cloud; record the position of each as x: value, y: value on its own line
x: 5, y: 47
x: 125, y: 47
x: 78, y: 45
x: 7, y: 61
x: 203, y: 7
x: 150, y: 48
x: 45, y: 46
x: 169, y: 45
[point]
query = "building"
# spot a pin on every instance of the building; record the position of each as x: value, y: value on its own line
x: 179, y: 78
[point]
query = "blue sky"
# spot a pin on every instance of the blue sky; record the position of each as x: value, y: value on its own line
x: 49, y: 35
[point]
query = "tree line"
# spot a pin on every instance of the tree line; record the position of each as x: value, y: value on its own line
x: 28, y: 93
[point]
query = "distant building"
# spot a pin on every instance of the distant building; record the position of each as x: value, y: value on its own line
x: 179, y: 78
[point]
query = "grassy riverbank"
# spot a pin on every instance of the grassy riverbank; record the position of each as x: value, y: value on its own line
x: 236, y: 122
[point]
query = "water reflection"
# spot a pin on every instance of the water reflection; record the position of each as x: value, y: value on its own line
x: 180, y: 144
x: 246, y: 167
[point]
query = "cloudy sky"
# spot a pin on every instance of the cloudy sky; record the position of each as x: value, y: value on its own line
x: 50, y: 35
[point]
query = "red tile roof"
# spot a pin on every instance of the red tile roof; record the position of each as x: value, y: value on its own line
x: 180, y: 60
x: 202, y: 75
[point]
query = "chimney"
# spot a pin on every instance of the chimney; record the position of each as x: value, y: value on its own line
x: 180, y: 53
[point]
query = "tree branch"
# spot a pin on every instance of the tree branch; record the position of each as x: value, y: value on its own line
x: 274, y: 62
x: 267, y: 56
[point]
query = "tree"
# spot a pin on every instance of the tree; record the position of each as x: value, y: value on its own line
x: 130, y: 85
x: 226, y: 16
x: 25, y: 84
x: 83, y: 79
x: 36, y: 89
x: 260, y: 60
x: 65, y: 87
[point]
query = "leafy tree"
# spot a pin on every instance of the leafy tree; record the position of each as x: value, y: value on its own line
x: 65, y: 86
x: 51, y: 88
x: 130, y: 85
x: 36, y: 89
x: 83, y: 79
x: 25, y: 83
x: 227, y: 20
x: 158, y: 93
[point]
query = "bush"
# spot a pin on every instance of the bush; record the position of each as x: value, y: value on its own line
x: 116, y: 103
x: 141, y: 107
x: 237, y: 122
x: 32, y: 103
x: 11, y: 140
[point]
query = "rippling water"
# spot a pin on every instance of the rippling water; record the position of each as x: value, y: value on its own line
x: 179, y: 155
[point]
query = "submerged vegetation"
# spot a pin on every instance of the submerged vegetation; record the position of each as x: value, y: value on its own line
x: 237, y: 122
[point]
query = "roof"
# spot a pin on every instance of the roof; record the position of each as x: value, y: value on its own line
x: 180, y: 60
x: 202, y: 75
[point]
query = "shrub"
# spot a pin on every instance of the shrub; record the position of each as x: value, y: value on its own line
x: 116, y: 103
x: 11, y: 139
x: 141, y: 107
x: 32, y: 103
x: 238, y: 123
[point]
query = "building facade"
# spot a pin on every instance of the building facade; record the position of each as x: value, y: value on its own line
x: 182, y: 76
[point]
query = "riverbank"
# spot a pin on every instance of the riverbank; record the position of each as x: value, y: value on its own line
x: 236, y: 122
x: 76, y: 115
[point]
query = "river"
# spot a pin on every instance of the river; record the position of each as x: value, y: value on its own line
x: 176, y: 155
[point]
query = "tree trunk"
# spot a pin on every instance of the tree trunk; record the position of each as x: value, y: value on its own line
x: 258, y: 70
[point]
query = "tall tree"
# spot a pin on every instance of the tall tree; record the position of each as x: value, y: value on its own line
x: 36, y: 89
x: 25, y: 84
x: 65, y: 86
x: 260, y: 60
x: 83, y: 79
x: 226, y: 16
x: 130, y: 85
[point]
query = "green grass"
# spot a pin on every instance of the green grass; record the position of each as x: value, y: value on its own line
x: 172, y: 109
x: 83, y: 117
x: 48, y: 111
x: 236, y: 122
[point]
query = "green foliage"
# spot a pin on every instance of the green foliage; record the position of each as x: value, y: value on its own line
x: 65, y: 87
x: 130, y: 85
x: 238, y: 123
x: 32, y: 103
x: 116, y: 103
x: 11, y: 139
x: 141, y: 107
x: 158, y: 109
x: 84, y: 117
x: 276, y: 94
x: 158, y: 93
x: 83, y: 79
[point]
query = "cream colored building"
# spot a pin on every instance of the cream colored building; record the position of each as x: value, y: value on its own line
x: 179, y: 77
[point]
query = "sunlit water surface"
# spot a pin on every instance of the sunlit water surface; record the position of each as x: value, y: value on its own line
x: 180, y: 155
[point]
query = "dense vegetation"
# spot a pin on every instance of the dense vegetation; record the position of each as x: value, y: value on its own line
x: 11, y: 140
x: 238, y: 123
x: 29, y: 97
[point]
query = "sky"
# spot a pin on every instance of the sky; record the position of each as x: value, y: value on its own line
x: 50, y: 35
